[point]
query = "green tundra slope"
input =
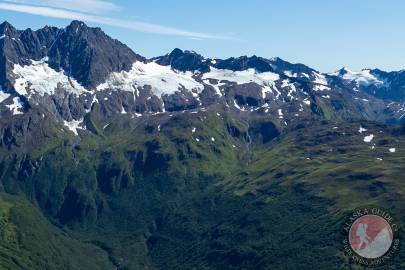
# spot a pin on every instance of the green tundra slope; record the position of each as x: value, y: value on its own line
x: 201, y: 190
x: 29, y: 241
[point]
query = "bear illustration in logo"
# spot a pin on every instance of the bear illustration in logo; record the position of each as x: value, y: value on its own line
x: 370, y: 236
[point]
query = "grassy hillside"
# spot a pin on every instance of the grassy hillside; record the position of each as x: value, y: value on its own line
x: 196, y: 191
x: 29, y: 241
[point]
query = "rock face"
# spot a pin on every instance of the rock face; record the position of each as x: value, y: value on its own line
x: 242, y: 63
x: 380, y: 84
x: 89, y: 55
x: 184, y: 61
x: 394, y: 85
x: 86, y: 54
x: 67, y: 71
x: 19, y: 47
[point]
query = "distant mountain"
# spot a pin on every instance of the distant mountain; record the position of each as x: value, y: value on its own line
x: 186, y: 162
x: 381, y: 84
x: 86, y: 54
x: 78, y: 60
x: 184, y: 61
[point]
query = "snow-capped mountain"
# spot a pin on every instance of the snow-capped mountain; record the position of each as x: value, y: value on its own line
x: 381, y: 84
x: 66, y: 71
x: 186, y: 162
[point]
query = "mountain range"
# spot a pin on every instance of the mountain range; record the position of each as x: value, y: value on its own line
x: 110, y: 160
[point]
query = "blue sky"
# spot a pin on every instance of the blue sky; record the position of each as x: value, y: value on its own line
x: 324, y: 34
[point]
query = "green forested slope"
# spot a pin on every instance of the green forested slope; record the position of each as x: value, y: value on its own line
x: 159, y: 194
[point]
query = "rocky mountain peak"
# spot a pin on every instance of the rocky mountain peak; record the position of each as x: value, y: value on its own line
x: 244, y: 62
x: 7, y: 29
x: 176, y: 53
x: 281, y: 65
x: 80, y: 58
x: 76, y: 25
x: 89, y: 55
x: 184, y: 60
x: 343, y: 71
x: 84, y: 53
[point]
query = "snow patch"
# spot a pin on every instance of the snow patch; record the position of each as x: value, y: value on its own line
x: 368, y: 138
x: 161, y: 79
x: 74, y: 125
x: 264, y: 79
x: 392, y: 150
x: 215, y: 86
x: 280, y: 113
x: 362, y: 78
x: 237, y: 106
x: 16, y: 106
x: 320, y: 79
x: 42, y: 79
x: 361, y: 129
x: 319, y: 87
x: 291, y: 74
x: 3, y: 96
x: 286, y: 83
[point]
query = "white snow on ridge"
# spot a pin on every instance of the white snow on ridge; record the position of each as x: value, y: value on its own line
x: 305, y: 75
x: 264, y: 79
x: 242, y: 77
x: 319, y: 87
x: 320, y: 79
x: 16, y: 106
x: 42, y: 79
x: 321, y: 83
x: 362, y: 78
x: 162, y: 79
x: 291, y: 74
